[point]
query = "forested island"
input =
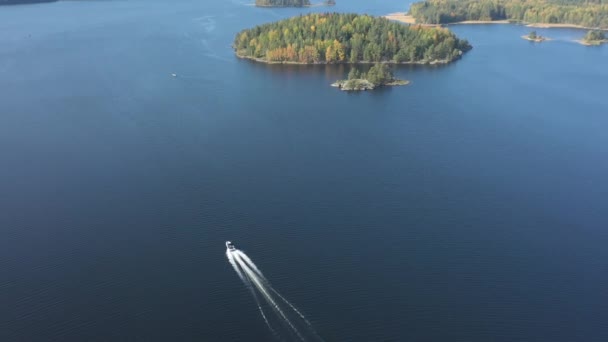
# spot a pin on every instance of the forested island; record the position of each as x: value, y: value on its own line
x: 584, y: 13
x: 326, y: 38
x: 594, y: 37
x: 377, y: 76
x: 534, y: 37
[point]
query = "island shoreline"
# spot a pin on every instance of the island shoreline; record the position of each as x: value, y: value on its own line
x: 366, y: 85
x: 435, y: 62
x: 592, y: 43
x: 406, y: 18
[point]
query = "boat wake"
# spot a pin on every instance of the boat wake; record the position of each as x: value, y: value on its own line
x: 283, y: 319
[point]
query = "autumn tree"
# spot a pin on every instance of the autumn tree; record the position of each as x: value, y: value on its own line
x: 347, y: 38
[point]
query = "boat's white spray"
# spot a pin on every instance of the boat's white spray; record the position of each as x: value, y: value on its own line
x: 261, y: 284
x: 249, y: 262
x: 249, y: 286
x: 234, y: 265
x: 253, y: 279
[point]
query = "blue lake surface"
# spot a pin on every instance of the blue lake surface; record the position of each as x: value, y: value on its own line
x: 469, y: 206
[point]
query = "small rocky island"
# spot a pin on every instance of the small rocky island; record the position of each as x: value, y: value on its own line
x: 533, y: 37
x: 282, y: 3
x: 337, y: 38
x: 377, y: 76
x: 594, y: 37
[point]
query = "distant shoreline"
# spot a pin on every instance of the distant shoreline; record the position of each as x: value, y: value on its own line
x: 319, y: 4
x: 273, y: 6
x: 481, y: 22
x: 408, y: 19
x: 404, y: 17
x: 23, y: 2
x: 545, y: 25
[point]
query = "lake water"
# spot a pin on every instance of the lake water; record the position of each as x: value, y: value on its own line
x: 470, y: 205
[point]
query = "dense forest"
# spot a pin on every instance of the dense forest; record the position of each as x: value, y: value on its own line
x: 594, y: 37
x: 377, y: 75
x: 282, y: 3
x: 588, y: 13
x: 347, y: 38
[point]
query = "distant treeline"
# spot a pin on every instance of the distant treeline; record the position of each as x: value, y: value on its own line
x: 18, y: 2
x: 282, y: 3
x: 588, y: 13
x: 347, y: 38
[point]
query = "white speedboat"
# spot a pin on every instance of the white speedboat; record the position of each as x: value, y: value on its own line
x: 230, y: 246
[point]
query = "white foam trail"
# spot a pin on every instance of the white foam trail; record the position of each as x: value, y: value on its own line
x: 254, y: 267
x: 291, y: 306
x: 257, y: 282
x: 254, y: 280
x: 233, y: 263
x: 249, y: 286
x: 246, y: 258
x: 257, y: 301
